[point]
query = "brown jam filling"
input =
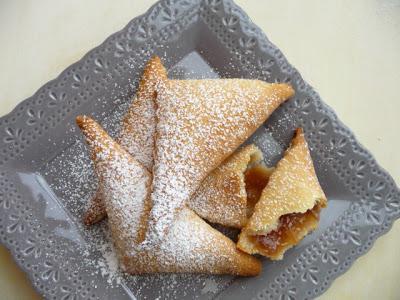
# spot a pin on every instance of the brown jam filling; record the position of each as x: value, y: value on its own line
x: 289, y: 232
x: 256, y: 178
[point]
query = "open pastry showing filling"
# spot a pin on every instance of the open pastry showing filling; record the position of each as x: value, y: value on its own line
x: 290, y: 231
x: 289, y: 205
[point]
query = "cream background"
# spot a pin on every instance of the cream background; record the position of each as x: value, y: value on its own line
x: 348, y: 50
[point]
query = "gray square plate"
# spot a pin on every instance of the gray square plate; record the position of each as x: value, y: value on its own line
x: 45, y: 180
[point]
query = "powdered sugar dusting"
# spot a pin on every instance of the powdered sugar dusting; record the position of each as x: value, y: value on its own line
x: 109, y: 266
x: 137, y: 130
x: 184, y: 246
x: 124, y: 186
x: 210, y: 286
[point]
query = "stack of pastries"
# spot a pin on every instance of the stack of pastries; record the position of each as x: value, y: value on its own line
x: 178, y: 164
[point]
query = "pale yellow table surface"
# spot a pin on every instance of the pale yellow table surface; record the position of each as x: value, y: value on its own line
x: 348, y: 50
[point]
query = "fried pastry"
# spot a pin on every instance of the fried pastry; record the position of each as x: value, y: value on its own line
x: 289, y: 206
x: 190, y: 246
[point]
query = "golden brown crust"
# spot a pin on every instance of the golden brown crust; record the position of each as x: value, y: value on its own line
x: 292, y: 188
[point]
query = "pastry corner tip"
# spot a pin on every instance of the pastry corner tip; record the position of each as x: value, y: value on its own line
x: 85, y: 122
x: 81, y: 120
x: 299, y: 131
x: 289, y: 89
x: 256, y: 268
x: 282, y: 91
x: 251, y: 265
x: 155, y: 61
x: 298, y: 137
x: 155, y: 58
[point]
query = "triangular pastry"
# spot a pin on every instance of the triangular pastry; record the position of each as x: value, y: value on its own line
x: 228, y: 193
x: 289, y: 206
x: 190, y: 246
x: 199, y: 124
